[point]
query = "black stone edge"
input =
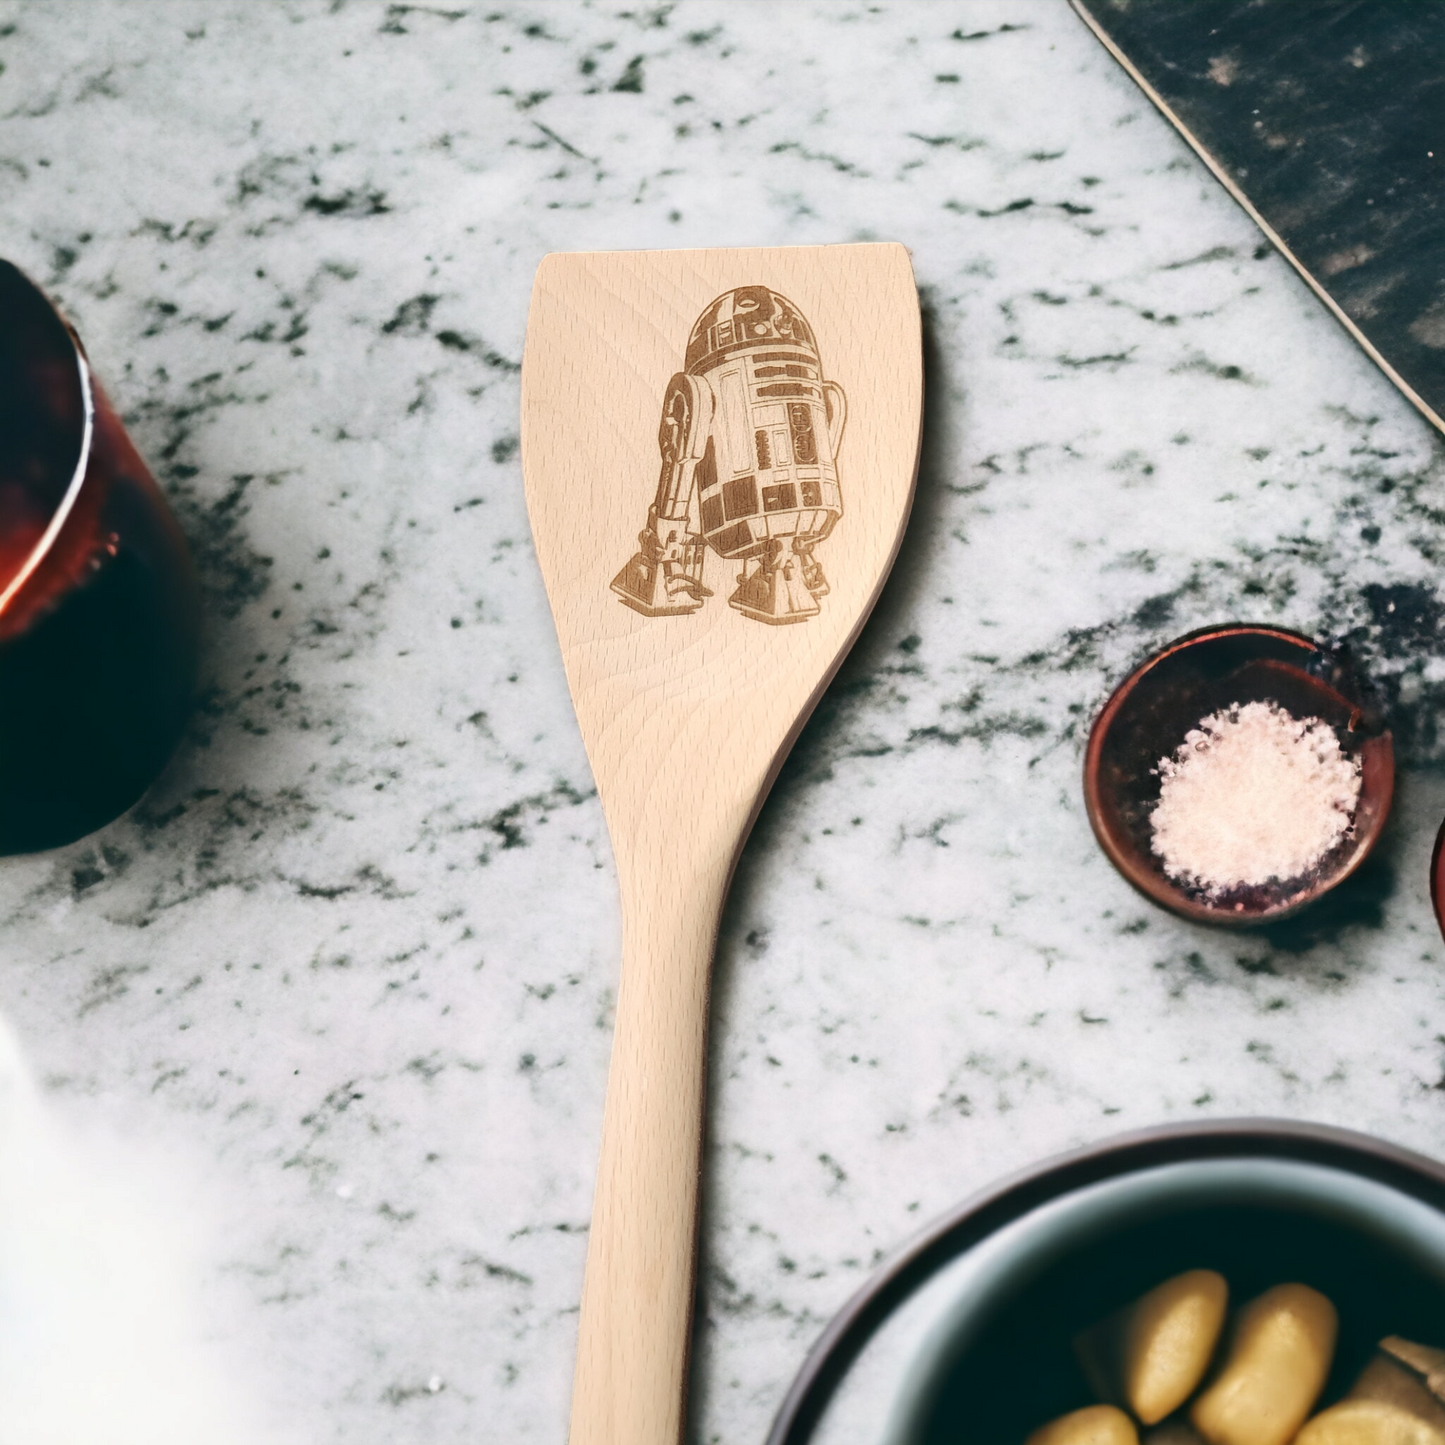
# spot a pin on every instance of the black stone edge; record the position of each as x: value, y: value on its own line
x: 985, y: 1213
x: 1227, y: 181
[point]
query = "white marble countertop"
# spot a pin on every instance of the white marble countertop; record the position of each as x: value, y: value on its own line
x: 311, y: 1045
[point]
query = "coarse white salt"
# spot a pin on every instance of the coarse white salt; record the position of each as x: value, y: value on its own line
x: 1253, y: 794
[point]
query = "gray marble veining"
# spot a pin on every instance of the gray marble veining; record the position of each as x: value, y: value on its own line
x: 326, y: 1018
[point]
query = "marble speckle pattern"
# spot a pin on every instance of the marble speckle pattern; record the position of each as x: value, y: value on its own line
x: 339, y: 988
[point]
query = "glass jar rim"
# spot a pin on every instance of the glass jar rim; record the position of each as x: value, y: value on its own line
x: 58, y: 518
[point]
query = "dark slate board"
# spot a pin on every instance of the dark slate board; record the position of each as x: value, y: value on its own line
x: 1321, y: 119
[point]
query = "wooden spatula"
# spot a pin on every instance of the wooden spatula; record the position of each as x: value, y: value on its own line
x: 719, y: 449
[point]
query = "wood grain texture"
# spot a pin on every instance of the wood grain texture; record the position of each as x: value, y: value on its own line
x: 688, y: 710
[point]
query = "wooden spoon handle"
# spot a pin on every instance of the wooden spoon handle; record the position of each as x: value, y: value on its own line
x: 636, y: 1324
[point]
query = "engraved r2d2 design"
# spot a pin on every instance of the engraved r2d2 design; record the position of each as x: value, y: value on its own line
x: 749, y: 440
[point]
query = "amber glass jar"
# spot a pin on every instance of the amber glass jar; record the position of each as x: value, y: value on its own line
x: 99, y: 611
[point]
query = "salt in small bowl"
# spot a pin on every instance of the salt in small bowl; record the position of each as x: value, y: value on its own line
x: 1195, y: 676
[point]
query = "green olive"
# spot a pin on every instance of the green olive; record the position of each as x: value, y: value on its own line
x: 1424, y: 1362
x: 1278, y: 1360
x: 1406, y: 1377
x: 1096, y: 1425
x: 1169, y: 1341
x: 1151, y: 1355
x: 1368, y: 1422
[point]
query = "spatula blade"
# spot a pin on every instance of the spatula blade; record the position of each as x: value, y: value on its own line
x: 770, y: 400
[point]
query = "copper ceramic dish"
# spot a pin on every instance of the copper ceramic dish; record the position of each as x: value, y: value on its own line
x: 1147, y: 718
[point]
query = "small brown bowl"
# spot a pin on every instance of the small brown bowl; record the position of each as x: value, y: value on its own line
x: 1151, y: 711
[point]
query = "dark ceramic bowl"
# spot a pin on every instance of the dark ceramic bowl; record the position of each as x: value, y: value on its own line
x: 1029, y: 1263
x: 1147, y: 719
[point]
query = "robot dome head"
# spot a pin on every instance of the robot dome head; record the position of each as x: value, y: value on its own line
x: 742, y: 318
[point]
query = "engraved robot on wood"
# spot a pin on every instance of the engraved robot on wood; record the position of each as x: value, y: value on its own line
x: 749, y: 439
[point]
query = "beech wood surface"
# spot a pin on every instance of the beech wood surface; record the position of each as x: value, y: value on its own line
x: 686, y: 718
